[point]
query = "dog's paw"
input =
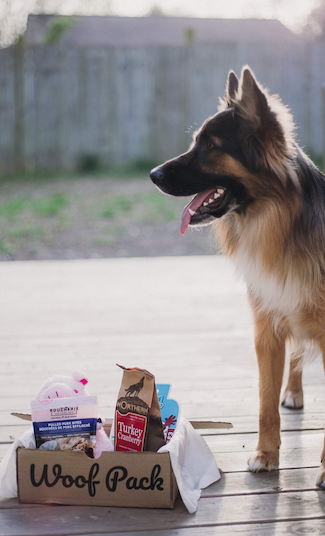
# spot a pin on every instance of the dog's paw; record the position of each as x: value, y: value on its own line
x: 320, y: 480
x: 292, y: 400
x: 263, y: 461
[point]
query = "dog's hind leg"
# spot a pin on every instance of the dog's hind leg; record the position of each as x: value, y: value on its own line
x: 320, y: 480
x: 293, y: 397
x: 270, y: 350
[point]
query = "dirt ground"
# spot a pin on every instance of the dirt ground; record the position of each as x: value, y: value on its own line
x: 93, y: 217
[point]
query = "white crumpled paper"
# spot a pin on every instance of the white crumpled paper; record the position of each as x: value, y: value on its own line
x: 193, y: 463
x: 8, y: 471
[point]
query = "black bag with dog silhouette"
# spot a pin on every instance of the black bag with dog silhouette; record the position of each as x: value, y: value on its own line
x: 138, y: 425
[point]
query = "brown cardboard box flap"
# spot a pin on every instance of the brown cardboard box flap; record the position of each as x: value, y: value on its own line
x: 24, y: 416
x: 209, y: 425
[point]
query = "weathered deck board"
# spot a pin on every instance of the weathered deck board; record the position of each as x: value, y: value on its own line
x: 298, y: 449
x: 237, y: 461
x: 212, y: 511
x: 244, y: 442
x: 289, y: 459
x: 238, y: 405
x: 242, y: 483
x: 241, y: 425
x: 187, y: 320
x: 247, y: 442
x: 246, y: 483
x: 284, y: 528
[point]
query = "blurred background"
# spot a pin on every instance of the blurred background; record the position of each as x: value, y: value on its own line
x: 94, y: 94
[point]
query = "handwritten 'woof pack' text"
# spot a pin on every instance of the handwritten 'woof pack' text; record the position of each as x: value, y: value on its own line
x: 114, y: 476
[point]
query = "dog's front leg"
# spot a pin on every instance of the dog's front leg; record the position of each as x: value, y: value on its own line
x: 270, y: 350
x: 320, y: 480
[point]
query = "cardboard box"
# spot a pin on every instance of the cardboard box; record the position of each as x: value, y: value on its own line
x: 126, y: 479
x: 132, y: 479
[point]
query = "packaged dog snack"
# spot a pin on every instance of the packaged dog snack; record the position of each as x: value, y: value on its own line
x: 65, y: 423
x: 138, y: 425
x: 169, y: 410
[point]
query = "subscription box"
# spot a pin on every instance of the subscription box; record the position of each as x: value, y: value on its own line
x: 125, y: 479
x: 129, y: 479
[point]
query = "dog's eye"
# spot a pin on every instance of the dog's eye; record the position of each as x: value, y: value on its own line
x: 209, y: 145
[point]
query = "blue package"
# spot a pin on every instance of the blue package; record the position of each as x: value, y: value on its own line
x: 169, y: 410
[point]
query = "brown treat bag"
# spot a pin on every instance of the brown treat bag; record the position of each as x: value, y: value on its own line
x: 138, y: 425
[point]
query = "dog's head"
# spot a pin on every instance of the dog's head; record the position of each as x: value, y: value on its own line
x: 243, y: 152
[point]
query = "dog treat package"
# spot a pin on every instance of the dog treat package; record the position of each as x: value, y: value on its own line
x: 138, y: 425
x: 65, y: 423
x: 169, y: 411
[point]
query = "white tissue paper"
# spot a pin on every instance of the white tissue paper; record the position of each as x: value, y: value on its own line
x: 193, y: 463
x: 8, y: 471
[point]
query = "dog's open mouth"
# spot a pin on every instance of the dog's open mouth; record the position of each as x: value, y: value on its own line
x: 204, y: 207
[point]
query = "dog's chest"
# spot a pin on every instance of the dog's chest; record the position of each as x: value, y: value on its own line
x: 284, y: 297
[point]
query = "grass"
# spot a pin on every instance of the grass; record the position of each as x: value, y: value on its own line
x: 45, y: 206
x: 74, y: 215
x: 27, y: 231
x: 159, y: 206
x: 28, y: 220
x: 11, y: 209
x: 93, y: 214
x: 5, y: 250
x: 50, y: 206
x: 118, y: 203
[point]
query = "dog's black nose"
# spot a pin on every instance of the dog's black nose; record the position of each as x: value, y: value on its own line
x: 156, y: 175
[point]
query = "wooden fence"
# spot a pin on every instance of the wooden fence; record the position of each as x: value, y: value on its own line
x: 121, y: 105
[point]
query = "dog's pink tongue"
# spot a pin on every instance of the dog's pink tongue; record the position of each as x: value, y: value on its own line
x: 193, y: 205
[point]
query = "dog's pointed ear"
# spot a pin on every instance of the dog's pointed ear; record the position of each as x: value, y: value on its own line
x: 253, y: 101
x: 232, y: 87
x: 265, y: 128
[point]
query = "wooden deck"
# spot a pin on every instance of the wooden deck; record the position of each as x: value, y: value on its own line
x: 186, y: 320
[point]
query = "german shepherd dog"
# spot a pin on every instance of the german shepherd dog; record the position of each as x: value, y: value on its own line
x: 266, y: 200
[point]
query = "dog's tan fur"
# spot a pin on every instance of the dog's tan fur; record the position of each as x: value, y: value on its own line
x: 265, y: 249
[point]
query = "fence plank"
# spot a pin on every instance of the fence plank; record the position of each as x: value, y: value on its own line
x: 124, y: 104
